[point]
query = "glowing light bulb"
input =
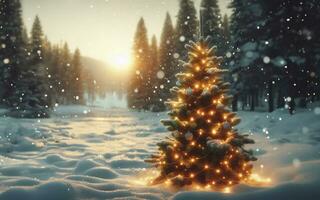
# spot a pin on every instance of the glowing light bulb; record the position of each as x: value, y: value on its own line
x: 227, y: 190
x: 218, y: 171
x: 214, y: 132
x: 206, y: 166
x: 191, y: 175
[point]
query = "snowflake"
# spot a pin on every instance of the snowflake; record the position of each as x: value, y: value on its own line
x: 6, y: 61
x: 160, y: 74
x: 317, y: 111
x: 176, y: 55
x: 266, y: 59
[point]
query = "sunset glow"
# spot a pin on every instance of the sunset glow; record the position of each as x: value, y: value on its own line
x: 120, y: 61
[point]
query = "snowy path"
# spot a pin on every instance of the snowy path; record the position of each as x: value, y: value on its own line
x: 99, y: 155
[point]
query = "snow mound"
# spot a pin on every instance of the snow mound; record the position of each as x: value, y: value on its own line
x: 101, y: 172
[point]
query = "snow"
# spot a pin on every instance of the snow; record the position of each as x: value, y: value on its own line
x: 98, y: 153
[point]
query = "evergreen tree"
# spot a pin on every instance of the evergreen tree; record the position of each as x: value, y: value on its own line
x: 186, y: 28
x: 226, y: 36
x: 65, y: 74
x: 154, y: 63
x: 166, y: 61
x: 30, y: 98
x: 211, y: 23
x: 77, y: 79
x: 137, y: 90
x: 55, y: 72
x: 205, y: 149
x: 12, y: 47
x: 37, y: 42
x: 291, y: 26
x: 248, y: 50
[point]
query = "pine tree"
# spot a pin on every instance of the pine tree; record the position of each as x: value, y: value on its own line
x: 167, y: 62
x: 205, y: 149
x: 12, y: 47
x: 226, y: 36
x: 291, y: 25
x: 154, y: 63
x: 37, y: 42
x: 211, y: 21
x: 77, y: 79
x: 30, y: 98
x: 186, y: 28
x: 248, y: 51
x: 137, y: 90
x: 65, y: 74
x: 55, y: 72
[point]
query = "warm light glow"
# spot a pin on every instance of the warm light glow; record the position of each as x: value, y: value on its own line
x: 120, y: 61
x: 256, y: 179
x: 227, y: 190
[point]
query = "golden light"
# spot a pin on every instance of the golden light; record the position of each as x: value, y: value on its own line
x: 256, y: 179
x: 227, y: 190
x: 120, y: 61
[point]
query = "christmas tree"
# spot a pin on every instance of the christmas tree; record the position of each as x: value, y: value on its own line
x: 205, y: 148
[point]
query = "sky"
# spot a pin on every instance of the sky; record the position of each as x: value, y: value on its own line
x: 102, y: 29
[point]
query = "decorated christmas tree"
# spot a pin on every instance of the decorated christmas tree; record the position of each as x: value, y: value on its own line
x: 205, y: 149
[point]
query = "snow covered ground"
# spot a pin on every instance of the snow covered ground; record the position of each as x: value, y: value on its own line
x: 98, y: 153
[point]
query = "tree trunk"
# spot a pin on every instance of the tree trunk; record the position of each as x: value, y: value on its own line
x: 235, y: 103
x: 280, y: 99
x: 270, y: 96
x: 292, y: 106
x: 252, y: 103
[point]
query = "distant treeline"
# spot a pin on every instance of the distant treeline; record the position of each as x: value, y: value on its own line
x: 270, y: 47
x: 36, y: 75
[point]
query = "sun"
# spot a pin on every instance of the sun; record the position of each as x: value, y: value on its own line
x: 120, y: 61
